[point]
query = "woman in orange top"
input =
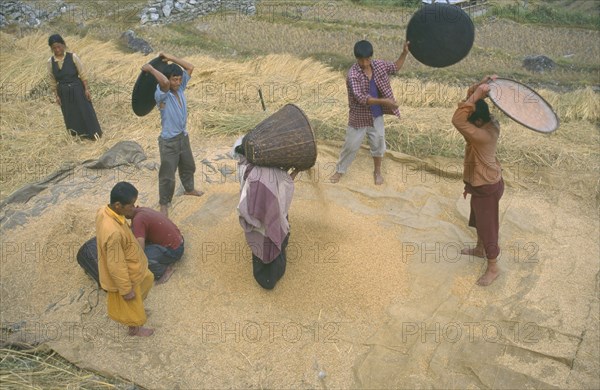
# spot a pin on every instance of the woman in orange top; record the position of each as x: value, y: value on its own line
x: 482, y: 174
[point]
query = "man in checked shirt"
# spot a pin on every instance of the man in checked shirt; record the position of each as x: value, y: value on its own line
x: 369, y: 97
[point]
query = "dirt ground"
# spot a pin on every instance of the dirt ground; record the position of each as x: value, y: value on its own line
x: 375, y: 294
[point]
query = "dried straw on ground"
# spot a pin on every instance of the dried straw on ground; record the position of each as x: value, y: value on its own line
x: 42, y: 368
x: 223, y: 99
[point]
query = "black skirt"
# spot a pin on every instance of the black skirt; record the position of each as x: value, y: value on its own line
x: 267, y: 275
x: 78, y: 112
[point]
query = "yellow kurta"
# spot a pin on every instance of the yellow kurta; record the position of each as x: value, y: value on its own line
x: 130, y: 313
x: 122, y: 267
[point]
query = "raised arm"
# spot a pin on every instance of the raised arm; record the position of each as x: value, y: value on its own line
x: 163, y: 81
x: 400, y: 61
x: 460, y: 119
x: 189, y: 68
x: 473, y: 87
x: 480, y: 92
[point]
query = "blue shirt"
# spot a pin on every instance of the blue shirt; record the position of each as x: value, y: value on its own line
x: 173, y: 116
x: 376, y: 110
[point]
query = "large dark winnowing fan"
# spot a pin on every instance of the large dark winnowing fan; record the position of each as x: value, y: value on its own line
x: 142, y: 97
x: 440, y: 35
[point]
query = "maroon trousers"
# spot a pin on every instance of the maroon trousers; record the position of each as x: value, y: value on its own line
x: 484, y: 216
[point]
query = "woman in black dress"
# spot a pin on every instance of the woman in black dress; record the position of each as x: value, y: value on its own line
x: 68, y: 81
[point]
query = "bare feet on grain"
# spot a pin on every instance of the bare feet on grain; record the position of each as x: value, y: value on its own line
x: 140, y: 331
x: 335, y: 177
x: 378, y: 179
x: 194, y: 193
x: 491, y: 273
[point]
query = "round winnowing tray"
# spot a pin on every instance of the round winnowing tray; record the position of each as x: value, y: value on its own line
x: 523, y: 105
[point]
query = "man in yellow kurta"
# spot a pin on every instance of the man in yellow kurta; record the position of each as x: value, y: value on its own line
x: 122, y: 264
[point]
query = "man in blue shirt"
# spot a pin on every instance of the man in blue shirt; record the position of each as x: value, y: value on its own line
x: 173, y: 142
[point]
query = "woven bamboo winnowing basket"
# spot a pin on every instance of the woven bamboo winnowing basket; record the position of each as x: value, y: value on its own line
x: 523, y: 104
x: 283, y: 140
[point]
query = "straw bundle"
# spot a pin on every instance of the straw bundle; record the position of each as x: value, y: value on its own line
x: 223, y: 100
x: 41, y: 368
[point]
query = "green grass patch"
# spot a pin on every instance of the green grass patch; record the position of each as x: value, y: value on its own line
x: 545, y: 14
x: 329, y: 24
x: 334, y: 60
x: 389, y: 3
x: 185, y: 34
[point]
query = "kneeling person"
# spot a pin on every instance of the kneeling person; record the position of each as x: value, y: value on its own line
x: 160, y: 239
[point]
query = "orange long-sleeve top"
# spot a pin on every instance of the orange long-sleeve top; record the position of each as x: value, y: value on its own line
x: 481, y: 166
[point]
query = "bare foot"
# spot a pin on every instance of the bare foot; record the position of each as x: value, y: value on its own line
x: 491, y: 273
x: 477, y: 252
x: 140, y: 331
x: 335, y: 177
x: 194, y: 193
x: 378, y: 179
x: 164, y: 209
x: 165, y: 277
